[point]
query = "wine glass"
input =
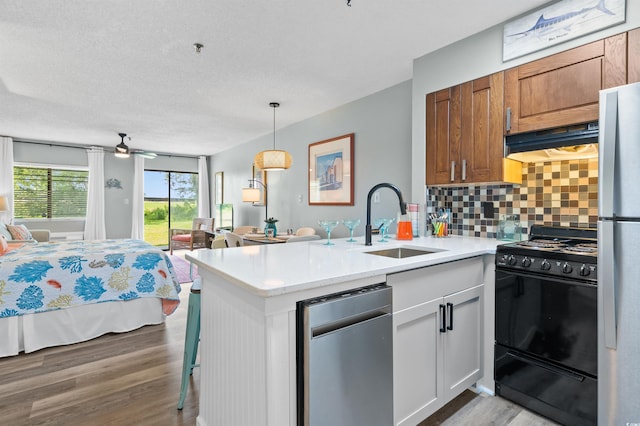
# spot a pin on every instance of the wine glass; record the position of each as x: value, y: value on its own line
x: 387, y: 224
x: 383, y: 225
x: 328, y: 225
x: 351, y: 224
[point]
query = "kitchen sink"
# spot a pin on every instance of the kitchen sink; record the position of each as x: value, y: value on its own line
x: 401, y: 252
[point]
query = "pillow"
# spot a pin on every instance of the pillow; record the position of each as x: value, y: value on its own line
x: 19, y: 232
x: 4, y: 247
x: 4, y: 231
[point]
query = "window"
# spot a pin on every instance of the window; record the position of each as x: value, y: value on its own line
x: 170, y: 201
x: 49, y: 192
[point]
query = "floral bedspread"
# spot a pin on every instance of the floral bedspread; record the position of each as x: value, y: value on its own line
x: 56, y: 275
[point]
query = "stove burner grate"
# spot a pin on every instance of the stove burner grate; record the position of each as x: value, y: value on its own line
x: 542, y: 244
x: 582, y: 249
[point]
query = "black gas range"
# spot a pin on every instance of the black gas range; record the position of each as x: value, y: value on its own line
x: 561, y: 252
x: 546, y: 323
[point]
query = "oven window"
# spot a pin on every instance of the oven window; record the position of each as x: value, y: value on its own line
x: 550, y: 318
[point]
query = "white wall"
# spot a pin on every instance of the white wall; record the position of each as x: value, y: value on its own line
x: 382, y: 126
x: 473, y: 57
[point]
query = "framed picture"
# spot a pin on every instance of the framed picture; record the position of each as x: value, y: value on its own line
x: 261, y: 177
x: 557, y: 23
x: 219, y: 188
x: 331, y: 171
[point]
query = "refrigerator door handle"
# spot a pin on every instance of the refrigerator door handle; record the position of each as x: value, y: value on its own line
x: 607, y: 281
x: 607, y: 160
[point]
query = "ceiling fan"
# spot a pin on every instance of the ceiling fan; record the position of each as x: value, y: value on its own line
x: 123, y: 151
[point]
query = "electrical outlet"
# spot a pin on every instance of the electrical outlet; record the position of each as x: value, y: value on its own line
x: 488, y: 210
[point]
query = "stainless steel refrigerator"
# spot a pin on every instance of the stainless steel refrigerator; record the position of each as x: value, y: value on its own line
x: 619, y: 256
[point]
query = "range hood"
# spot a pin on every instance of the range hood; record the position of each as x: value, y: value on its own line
x: 575, y: 142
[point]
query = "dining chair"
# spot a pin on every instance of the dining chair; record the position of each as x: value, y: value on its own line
x: 196, y: 237
x: 305, y: 230
x: 244, y: 229
x: 219, y: 242
x: 233, y: 240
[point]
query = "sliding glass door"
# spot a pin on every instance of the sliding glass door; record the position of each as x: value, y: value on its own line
x: 170, y: 201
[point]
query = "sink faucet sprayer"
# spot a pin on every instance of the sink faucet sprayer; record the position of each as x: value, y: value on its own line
x: 403, y: 207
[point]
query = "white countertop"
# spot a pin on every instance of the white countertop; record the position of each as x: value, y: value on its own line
x: 276, y: 269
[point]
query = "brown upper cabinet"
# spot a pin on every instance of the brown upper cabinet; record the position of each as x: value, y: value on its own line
x: 464, y: 140
x: 633, y: 56
x: 563, y: 89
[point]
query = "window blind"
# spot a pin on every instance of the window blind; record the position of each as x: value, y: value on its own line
x: 47, y: 192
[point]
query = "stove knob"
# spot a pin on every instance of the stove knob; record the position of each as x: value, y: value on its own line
x: 526, y: 262
x: 566, y: 268
x: 545, y: 265
x: 511, y: 260
x: 584, y: 270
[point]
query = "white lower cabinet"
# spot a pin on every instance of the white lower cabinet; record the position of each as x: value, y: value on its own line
x: 438, y: 326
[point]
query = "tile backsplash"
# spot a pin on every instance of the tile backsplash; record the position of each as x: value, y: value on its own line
x: 559, y: 193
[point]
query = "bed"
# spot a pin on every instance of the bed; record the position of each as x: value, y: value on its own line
x: 65, y: 292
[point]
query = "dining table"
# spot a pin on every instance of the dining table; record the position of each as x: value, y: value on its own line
x: 261, y: 238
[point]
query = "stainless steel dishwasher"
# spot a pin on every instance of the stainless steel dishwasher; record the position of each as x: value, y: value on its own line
x: 345, y: 358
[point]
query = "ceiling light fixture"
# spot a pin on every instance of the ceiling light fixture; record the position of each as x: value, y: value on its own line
x: 122, y: 150
x: 273, y: 159
x: 198, y: 47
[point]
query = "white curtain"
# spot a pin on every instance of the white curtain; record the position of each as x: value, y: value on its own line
x: 94, y: 228
x: 204, y: 208
x: 137, y: 213
x: 6, y: 175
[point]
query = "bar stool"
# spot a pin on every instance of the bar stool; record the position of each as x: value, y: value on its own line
x: 192, y: 337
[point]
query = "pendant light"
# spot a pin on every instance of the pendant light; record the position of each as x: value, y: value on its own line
x: 122, y: 150
x: 273, y: 159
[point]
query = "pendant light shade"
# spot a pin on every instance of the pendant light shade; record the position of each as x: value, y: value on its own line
x: 273, y: 159
x: 122, y: 150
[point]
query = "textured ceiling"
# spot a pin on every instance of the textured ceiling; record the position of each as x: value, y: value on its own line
x: 80, y: 71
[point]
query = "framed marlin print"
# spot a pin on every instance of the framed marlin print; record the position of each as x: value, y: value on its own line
x: 557, y: 23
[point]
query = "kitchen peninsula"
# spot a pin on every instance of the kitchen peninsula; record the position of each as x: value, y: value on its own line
x: 248, y: 319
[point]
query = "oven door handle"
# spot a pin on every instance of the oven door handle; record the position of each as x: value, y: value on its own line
x: 548, y: 367
x: 519, y: 291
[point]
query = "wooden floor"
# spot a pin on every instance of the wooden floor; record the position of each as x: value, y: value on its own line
x: 117, y: 379
x: 471, y: 409
x: 134, y: 379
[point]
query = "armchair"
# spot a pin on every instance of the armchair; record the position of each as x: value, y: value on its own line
x: 196, y: 237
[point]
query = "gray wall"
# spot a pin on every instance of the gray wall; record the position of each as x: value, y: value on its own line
x: 382, y: 126
x: 117, y: 201
x: 473, y: 57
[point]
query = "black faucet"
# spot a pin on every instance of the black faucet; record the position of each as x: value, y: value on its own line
x: 403, y: 207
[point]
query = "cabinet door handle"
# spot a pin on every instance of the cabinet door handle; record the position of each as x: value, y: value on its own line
x: 443, y: 320
x: 508, y: 126
x: 450, y: 309
x: 464, y: 170
x: 453, y: 171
